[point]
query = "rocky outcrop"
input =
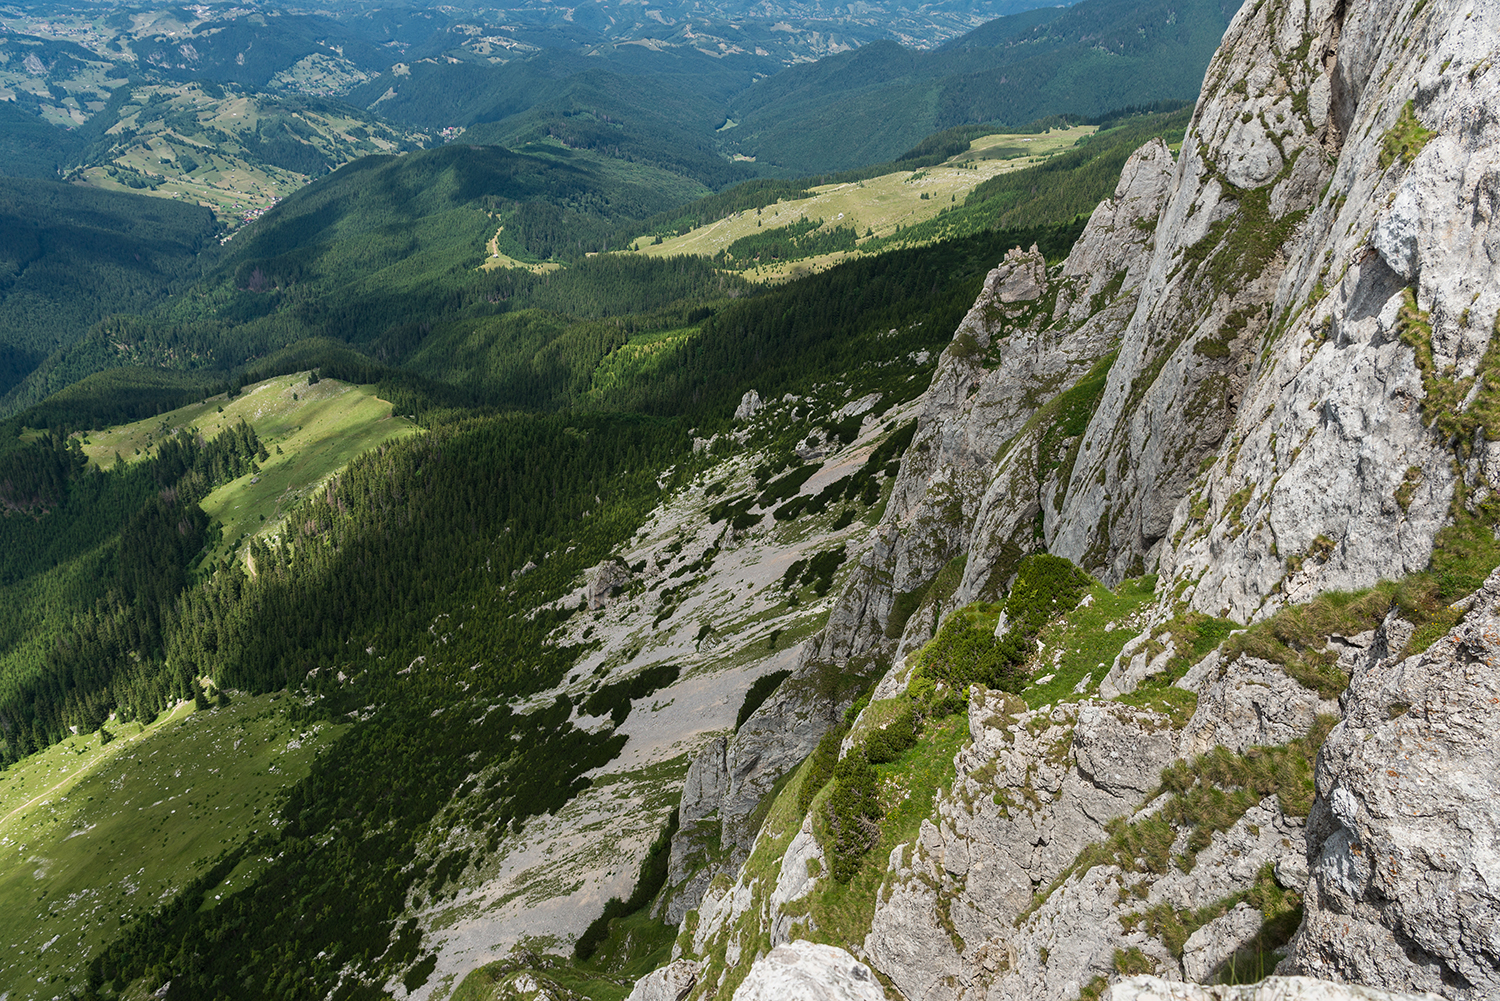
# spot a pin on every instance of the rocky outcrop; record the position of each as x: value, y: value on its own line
x: 1340, y: 471
x: 960, y: 918
x: 750, y: 405
x: 1146, y: 988
x: 732, y: 776
x: 973, y: 479
x: 809, y: 972
x: 603, y: 581
x: 1210, y: 947
x: 1250, y: 703
x: 1405, y: 877
x: 695, y: 846
x: 672, y: 982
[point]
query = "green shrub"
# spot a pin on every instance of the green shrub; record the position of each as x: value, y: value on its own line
x: 886, y: 744
x: 760, y: 690
x: 1045, y: 587
x: 963, y: 654
x: 854, y: 814
x: 616, y: 699
x: 820, y: 766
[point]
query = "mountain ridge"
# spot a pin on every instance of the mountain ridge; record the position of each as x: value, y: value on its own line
x: 1274, y: 426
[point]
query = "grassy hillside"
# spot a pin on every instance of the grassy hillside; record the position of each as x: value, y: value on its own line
x: 93, y: 836
x: 310, y: 430
x: 877, y: 209
x: 1006, y: 180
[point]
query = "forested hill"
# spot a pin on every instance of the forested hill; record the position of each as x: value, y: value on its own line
x: 687, y: 112
x: 70, y: 256
x: 870, y: 104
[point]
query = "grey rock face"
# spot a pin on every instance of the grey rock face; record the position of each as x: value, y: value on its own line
x: 1331, y: 476
x: 804, y: 971
x: 1249, y: 703
x: 775, y: 738
x: 672, y: 982
x: 1147, y: 988
x: 750, y: 405
x: 730, y: 777
x: 1405, y: 875
x: 707, y: 778
x: 956, y: 492
x: 1211, y: 946
x: 603, y: 581
x: 1189, y: 351
x: 698, y: 832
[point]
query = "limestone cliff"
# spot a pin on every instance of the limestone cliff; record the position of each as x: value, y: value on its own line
x: 1265, y: 373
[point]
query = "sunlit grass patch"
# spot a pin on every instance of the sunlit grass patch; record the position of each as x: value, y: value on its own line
x: 93, y: 837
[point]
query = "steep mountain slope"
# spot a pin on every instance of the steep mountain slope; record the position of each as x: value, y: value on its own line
x: 1263, y: 374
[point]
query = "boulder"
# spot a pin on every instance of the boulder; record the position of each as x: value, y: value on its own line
x: 1210, y: 947
x: 806, y: 971
x: 672, y: 982
x: 750, y: 405
x: 1404, y: 891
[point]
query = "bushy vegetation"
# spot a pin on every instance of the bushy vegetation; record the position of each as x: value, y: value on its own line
x: 614, y: 700
x: 1405, y: 139
x: 760, y: 690
x: 966, y: 651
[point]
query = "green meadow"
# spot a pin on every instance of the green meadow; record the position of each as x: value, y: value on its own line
x: 94, y: 835
x: 876, y: 207
x: 310, y: 430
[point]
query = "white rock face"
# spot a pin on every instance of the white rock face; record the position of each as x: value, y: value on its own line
x: 672, y: 982
x: 1146, y: 988
x: 1333, y: 422
x: 1405, y: 882
x: 750, y: 405
x: 800, y: 868
x: 804, y: 971
x: 1211, y: 946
